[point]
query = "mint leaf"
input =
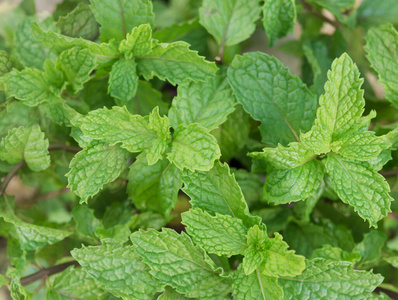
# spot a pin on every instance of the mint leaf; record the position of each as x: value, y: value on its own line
x: 373, y: 13
x: 207, y: 103
x: 138, y: 42
x: 95, y: 166
x: 219, y: 234
x: 86, y: 222
x: 175, y: 63
x: 358, y: 185
x: 272, y: 95
x: 146, y: 98
x: 331, y: 253
x: 77, y: 65
x: 80, y: 22
x: 381, y: 44
x: 170, y: 294
x: 154, y: 187
x: 278, y: 18
x: 119, y: 17
x: 118, y: 269
x: 193, y: 148
x: 392, y: 261
x: 330, y: 280
x: 123, y: 80
x: 255, y: 286
x: 229, y: 21
x: 26, y: 143
x: 371, y: 246
x: 217, y: 191
x: 340, y: 8
x: 5, y: 63
x: 178, y: 258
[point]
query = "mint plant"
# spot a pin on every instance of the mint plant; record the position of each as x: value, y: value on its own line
x: 157, y: 150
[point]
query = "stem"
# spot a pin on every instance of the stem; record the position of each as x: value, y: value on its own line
x: 319, y: 14
x: 44, y: 273
x: 10, y: 175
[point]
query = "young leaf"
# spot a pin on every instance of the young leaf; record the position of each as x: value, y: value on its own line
x: 5, y: 63
x: 217, y: 191
x: 119, y: 270
x: 117, y: 18
x: 77, y: 65
x: 273, y: 96
x: 154, y: 187
x: 26, y: 143
x: 221, y: 234
x: 278, y: 18
x: 193, y: 148
x: 382, y: 46
x: 255, y: 286
x: 230, y: 21
x: 358, y: 185
x: 123, y: 80
x: 207, y: 103
x: 138, y: 42
x: 330, y: 280
x: 174, y: 62
x: 95, y: 166
x: 171, y: 256
x: 392, y: 261
x: 331, y: 253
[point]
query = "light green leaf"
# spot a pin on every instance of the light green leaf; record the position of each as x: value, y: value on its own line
x: 272, y: 95
x: 28, y: 85
x: 77, y: 65
x: 230, y: 21
x: 154, y: 187
x: 76, y: 283
x: 358, y: 185
x: 382, y: 47
x: 219, y: 234
x: 217, y: 191
x: 174, y: 62
x: 331, y: 253
x: 175, y: 261
x: 134, y: 132
x: 170, y: 294
x: 138, y: 42
x: 392, y: 261
x: 95, y: 166
x: 341, y: 107
x: 59, y: 111
x: 17, y: 291
x: 86, y: 223
x: 3, y: 280
x: 5, y: 63
x: 207, y: 103
x: 371, y: 246
x: 193, y: 148
x: 330, y: 280
x: 80, y: 22
x: 117, y: 18
x: 123, y: 80
x: 119, y: 270
x: 278, y: 18
x: 26, y: 143
x: 290, y: 185
x: 255, y: 286
x: 371, y: 12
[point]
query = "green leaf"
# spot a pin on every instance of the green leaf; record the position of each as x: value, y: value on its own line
x: 175, y: 261
x: 5, y: 63
x: 255, y: 286
x: 373, y: 13
x: 119, y: 270
x: 80, y: 22
x: 330, y: 280
x: 174, y: 62
x: 392, y: 261
x: 134, y: 132
x: 138, y: 42
x: 381, y: 45
x: 230, y: 21
x: 170, y: 294
x: 278, y: 18
x: 117, y: 18
x: 17, y: 291
x: 331, y: 253
x: 86, y: 222
x: 217, y: 191
x: 207, y: 103
x: 123, y: 80
x: 154, y: 187
x: 271, y: 255
x: 28, y: 85
x: 95, y: 166
x: 341, y: 107
x: 285, y: 186
x: 76, y: 283
x: 193, y: 148
x: 358, y: 185
x: 77, y: 65
x: 26, y: 143
x: 219, y: 234
x: 272, y: 95
x: 340, y: 8
x: 371, y: 246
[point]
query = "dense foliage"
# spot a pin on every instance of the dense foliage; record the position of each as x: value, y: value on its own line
x: 154, y: 150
